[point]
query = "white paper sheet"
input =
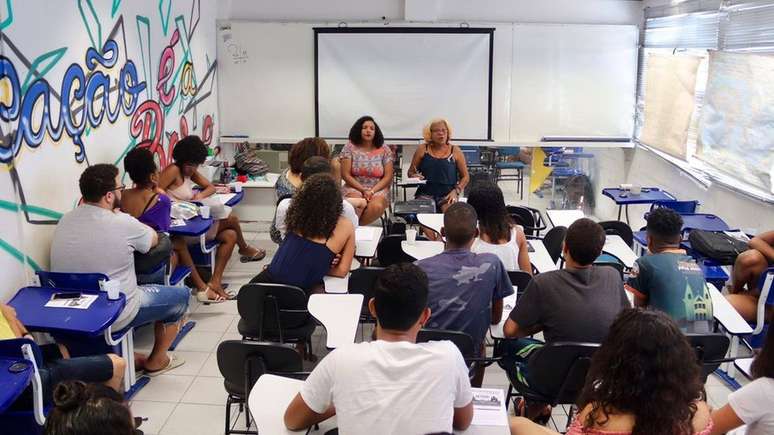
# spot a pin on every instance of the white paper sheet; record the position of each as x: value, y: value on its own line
x: 80, y: 303
x: 489, y: 407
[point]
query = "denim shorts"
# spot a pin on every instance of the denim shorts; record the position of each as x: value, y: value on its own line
x: 160, y: 303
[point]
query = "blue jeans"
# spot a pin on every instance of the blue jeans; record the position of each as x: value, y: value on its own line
x: 160, y: 303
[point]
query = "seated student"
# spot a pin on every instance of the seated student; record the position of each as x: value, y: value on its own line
x: 97, y: 238
x: 58, y: 366
x: 497, y: 233
x: 151, y: 206
x: 577, y: 303
x: 642, y: 380
x: 367, y: 169
x: 752, y: 404
x: 317, y: 233
x: 312, y: 165
x: 400, y: 386
x: 178, y: 181
x: 668, y: 279
x: 748, y: 268
x: 466, y: 289
x: 82, y: 409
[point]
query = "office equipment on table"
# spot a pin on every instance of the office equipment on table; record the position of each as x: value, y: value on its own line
x: 624, y: 198
x: 339, y: 314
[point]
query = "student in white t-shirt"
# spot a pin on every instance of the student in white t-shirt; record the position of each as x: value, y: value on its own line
x: 392, y: 385
x: 312, y: 165
x: 752, y: 404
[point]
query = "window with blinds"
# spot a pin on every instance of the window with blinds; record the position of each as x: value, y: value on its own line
x: 692, y: 28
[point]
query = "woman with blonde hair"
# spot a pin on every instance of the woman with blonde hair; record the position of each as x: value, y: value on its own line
x: 441, y: 164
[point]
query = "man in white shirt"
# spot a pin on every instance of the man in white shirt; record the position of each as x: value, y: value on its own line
x: 312, y: 165
x: 96, y: 237
x: 392, y: 385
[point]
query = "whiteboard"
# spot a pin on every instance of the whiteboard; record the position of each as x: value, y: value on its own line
x: 573, y: 80
x: 549, y: 80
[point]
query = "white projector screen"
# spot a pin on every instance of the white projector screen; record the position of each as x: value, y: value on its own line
x: 404, y: 77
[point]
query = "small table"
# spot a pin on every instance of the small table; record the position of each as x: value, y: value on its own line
x: 614, y: 245
x: 540, y: 258
x: 649, y: 195
x: 703, y: 221
x: 433, y: 221
x: 12, y: 384
x: 564, y: 218
x: 339, y: 314
x: 422, y: 249
x: 366, y: 240
x: 268, y: 401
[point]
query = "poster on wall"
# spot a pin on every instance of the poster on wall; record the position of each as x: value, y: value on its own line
x: 84, y: 83
x: 670, y: 85
x: 736, y: 132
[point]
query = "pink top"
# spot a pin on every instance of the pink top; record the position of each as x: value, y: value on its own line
x: 576, y: 428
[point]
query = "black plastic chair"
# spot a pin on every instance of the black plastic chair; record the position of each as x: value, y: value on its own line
x: 620, y: 229
x: 529, y: 218
x: 362, y: 281
x: 242, y: 362
x: 389, y: 252
x: 557, y: 373
x: 520, y: 280
x: 464, y: 343
x: 617, y: 265
x: 553, y: 242
x: 274, y: 312
x: 710, y: 351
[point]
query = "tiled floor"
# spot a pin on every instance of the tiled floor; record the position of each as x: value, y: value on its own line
x: 190, y: 400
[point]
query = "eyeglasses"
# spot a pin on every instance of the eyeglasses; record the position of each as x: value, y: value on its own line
x: 120, y: 188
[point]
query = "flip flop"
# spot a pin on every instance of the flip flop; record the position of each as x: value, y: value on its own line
x: 201, y: 296
x: 257, y: 257
x: 174, y: 362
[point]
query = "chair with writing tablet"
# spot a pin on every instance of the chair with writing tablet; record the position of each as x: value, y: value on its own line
x: 710, y: 351
x: 464, y: 343
x: 765, y: 303
x: 20, y: 358
x: 620, y: 229
x: 553, y: 241
x: 530, y: 219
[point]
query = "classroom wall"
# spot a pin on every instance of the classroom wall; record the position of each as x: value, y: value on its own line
x: 525, y: 11
x: 158, y: 59
x: 640, y: 166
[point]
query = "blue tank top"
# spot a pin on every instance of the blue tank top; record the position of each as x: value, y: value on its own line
x: 300, y: 262
x: 441, y: 174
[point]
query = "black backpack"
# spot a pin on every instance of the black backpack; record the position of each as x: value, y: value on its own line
x: 717, y: 245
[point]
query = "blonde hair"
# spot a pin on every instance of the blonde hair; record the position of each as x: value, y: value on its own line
x: 426, y: 131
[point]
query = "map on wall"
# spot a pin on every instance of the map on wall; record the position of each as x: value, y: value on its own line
x: 736, y: 133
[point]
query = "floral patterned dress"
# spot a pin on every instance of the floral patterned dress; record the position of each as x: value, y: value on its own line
x: 367, y: 167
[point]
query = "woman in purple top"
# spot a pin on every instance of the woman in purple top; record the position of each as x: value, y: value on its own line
x: 151, y: 206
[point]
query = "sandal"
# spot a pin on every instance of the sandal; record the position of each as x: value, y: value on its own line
x: 201, y: 296
x: 174, y: 362
x: 258, y: 256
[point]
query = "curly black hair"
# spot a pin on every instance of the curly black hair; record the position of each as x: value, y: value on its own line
x: 763, y: 365
x: 493, y: 218
x: 645, y: 367
x: 139, y: 164
x: 88, y: 409
x: 356, y: 132
x: 189, y: 150
x: 315, y: 208
x: 97, y: 180
x: 664, y: 226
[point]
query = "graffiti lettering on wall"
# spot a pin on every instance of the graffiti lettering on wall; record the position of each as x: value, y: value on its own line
x: 139, y: 85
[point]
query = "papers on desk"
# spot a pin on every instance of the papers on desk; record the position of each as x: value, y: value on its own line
x: 177, y: 223
x: 80, y: 303
x: 489, y: 407
x: 223, y: 198
x: 365, y: 234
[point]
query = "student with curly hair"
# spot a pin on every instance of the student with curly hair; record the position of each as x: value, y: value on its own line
x: 668, y: 278
x: 643, y: 380
x: 88, y: 409
x: 497, y: 234
x: 367, y: 169
x: 316, y: 234
x: 179, y: 180
x: 752, y: 404
x: 290, y: 180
